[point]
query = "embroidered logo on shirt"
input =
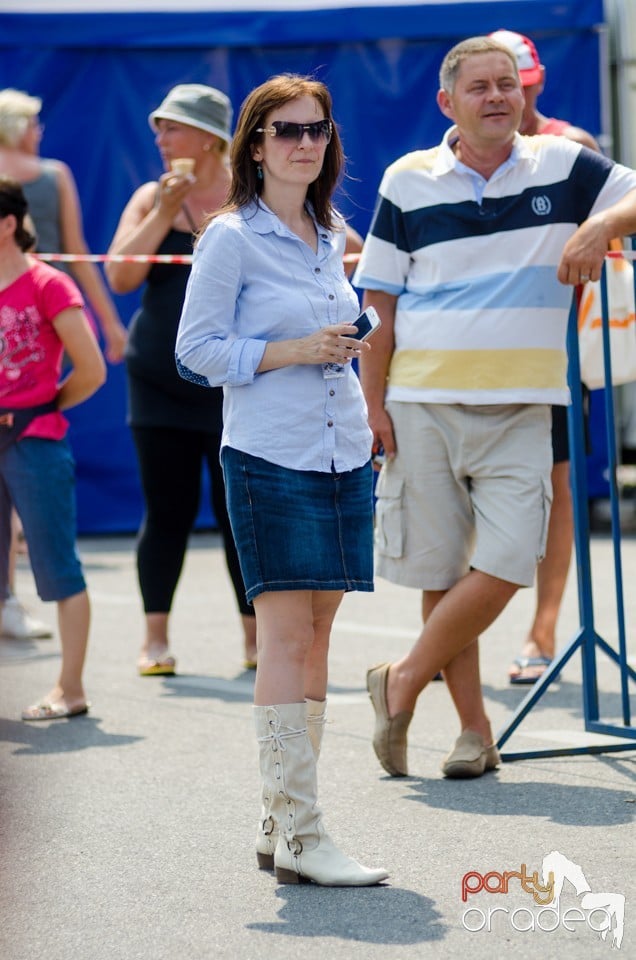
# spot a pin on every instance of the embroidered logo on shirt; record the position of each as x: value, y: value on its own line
x: 541, y: 206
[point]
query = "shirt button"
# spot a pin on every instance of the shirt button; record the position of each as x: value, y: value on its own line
x: 332, y: 393
x: 330, y: 423
x: 331, y: 296
x: 316, y: 269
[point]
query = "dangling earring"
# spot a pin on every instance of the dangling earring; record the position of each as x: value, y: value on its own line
x: 259, y: 172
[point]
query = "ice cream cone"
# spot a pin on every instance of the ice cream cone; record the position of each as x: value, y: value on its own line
x: 182, y: 166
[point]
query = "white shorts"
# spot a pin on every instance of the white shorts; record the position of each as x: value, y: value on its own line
x: 469, y: 488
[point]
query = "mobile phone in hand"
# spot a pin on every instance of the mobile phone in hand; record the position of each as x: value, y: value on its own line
x: 377, y: 455
x: 367, y: 323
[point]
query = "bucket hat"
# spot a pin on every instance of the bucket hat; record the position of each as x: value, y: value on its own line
x: 197, y: 106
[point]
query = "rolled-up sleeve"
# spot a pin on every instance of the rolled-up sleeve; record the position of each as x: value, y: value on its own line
x: 207, y: 350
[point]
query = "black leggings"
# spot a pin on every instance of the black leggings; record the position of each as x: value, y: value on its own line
x: 170, y: 463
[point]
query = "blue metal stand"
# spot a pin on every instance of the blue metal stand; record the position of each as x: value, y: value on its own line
x: 587, y: 639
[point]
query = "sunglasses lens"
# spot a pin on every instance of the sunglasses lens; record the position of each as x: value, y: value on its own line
x: 287, y: 131
x: 321, y: 129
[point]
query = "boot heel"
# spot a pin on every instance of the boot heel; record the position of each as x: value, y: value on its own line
x: 290, y: 876
x: 265, y: 861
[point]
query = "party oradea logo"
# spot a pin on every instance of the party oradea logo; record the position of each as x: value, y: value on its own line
x: 558, y: 897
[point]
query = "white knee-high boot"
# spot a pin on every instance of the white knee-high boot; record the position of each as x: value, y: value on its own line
x: 304, y: 851
x: 267, y: 829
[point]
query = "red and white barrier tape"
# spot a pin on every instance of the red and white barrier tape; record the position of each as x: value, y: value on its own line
x: 187, y: 258
x: 136, y: 258
x: 115, y: 258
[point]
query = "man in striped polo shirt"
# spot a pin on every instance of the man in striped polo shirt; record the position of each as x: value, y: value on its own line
x: 471, y: 258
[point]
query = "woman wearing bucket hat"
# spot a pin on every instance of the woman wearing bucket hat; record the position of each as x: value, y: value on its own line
x: 176, y: 426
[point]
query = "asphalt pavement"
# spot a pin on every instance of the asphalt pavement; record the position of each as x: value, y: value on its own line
x: 128, y: 834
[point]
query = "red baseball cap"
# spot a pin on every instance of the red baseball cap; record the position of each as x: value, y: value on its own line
x: 526, y: 53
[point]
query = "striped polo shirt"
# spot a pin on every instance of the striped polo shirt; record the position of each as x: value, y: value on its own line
x: 481, y: 317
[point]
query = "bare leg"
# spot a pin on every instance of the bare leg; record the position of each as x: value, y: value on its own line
x: 325, y: 606
x: 293, y: 641
x: 73, y: 617
x: 74, y: 620
x: 552, y: 574
x: 464, y: 684
x: 463, y: 679
x: 457, y: 617
x: 155, y: 645
x: 155, y: 659
x: 250, y: 653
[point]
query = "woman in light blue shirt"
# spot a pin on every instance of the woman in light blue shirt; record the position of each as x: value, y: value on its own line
x: 270, y: 315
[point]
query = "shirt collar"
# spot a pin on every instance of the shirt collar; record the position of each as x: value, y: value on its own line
x: 446, y: 160
x: 263, y: 220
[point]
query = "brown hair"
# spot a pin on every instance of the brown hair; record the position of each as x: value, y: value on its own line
x: 13, y: 202
x: 468, y: 48
x: 246, y: 187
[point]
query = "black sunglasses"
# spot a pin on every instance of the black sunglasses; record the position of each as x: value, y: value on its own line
x: 320, y: 130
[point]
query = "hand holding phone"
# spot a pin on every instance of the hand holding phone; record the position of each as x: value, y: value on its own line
x: 378, y: 457
x: 367, y: 323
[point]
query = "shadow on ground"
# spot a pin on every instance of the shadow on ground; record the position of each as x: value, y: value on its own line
x: 568, y: 804
x: 60, y: 736
x: 381, y: 914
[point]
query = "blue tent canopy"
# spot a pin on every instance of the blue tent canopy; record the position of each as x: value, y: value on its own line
x: 101, y: 73
x: 284, y: 24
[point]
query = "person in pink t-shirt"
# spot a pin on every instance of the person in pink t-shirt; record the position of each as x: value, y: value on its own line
x: 41, y: 318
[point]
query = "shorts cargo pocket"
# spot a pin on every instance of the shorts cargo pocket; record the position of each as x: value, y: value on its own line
x: 389, y: 514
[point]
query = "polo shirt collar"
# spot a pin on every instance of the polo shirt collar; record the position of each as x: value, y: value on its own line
x: 446, y: 160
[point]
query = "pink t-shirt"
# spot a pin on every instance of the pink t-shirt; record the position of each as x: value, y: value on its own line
x: 30, y: 349
x: 554, y: 126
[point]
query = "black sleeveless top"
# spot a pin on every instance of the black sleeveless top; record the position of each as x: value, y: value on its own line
x: 157, y: 395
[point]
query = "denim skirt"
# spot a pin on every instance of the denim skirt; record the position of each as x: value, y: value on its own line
x: 299, y: 529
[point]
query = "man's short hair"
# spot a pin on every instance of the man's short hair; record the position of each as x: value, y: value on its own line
x: 468, y: 48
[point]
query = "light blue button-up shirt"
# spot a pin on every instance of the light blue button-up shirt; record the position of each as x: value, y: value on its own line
x: 254, y: 281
